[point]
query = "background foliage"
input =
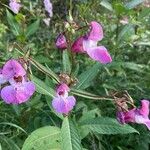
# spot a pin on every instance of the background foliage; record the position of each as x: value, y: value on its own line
x: 130, y: 70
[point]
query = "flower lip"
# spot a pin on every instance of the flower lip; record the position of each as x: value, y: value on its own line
x: 18, y: 93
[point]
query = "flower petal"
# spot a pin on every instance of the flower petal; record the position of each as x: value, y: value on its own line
x: 63, y: 105
x: 148, y: 124
x: 142, y: 120
x: 70, y: 103
x: 8, y: 94
x: 48, y: 7
x: 144, y: 110
x: 96, y: 32
x: 13, y: 68
x: 59, y: 105
x: 14, y: 6
x: 99, y: 54
x: 17, y: 94
x: 126, y: 117
x: 77, y: 46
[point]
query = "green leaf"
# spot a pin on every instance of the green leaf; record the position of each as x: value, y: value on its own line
x: 32, y: 28
x: 66, y: 62
x: 106, y: 125
x: 89, y: 114
x: 86, y: 77
x: 45, y: 138
x: 106, y: 4
x: 70, y: 137
x: 133, y: 3
x: 15, y: 28
x: 126, y: 33
x: 134, y: 66
x: 42, y: 87
x: 45, y: 70
x: 13, y: 125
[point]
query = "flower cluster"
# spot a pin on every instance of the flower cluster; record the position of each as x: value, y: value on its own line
x: 88, y: 44
x: 18, y: 89
x: 63, y: 103
x: 136, y: 115
x: 14, y: 6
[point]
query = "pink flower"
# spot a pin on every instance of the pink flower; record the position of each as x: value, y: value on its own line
x: 61, y: 42
x: 14, y: 6
x: 13, y: 69
x: 88, y: 44
x: 19, y: 92
x: 136, y: 115
x: 48, y: 7
x: 20, y: 89
x: 63, y: 103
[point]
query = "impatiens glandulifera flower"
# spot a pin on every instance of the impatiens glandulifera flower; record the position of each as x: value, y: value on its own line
x: 63, y: 103
x: 136, y: 115
x: 14, y: 6
x: 20, y: 89
x: 48, y: 7
x: 61, y: 42
x: 88, y: 44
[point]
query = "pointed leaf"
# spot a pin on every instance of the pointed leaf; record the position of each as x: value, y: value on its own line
x: 32, y: 28
x: 70, y: 137
x: 42, y: 87
x: 45, y: 138
x: 86, y: 77
x: 133, y: 3
x: 103, y: 125
x: 13, y: 23
x: 66, y: 62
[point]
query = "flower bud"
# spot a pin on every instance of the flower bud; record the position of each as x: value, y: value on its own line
x: 61, y: 42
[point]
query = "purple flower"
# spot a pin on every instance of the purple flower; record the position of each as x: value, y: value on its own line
x: 88, y: 44
x: 48, y: 7
x: 18, y: 93
x: 12, y: 68
x: 136, y: 115
x: 20, y: 89
x: 63, y: 103
x: 61, y: 42
x: 14, y: 6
